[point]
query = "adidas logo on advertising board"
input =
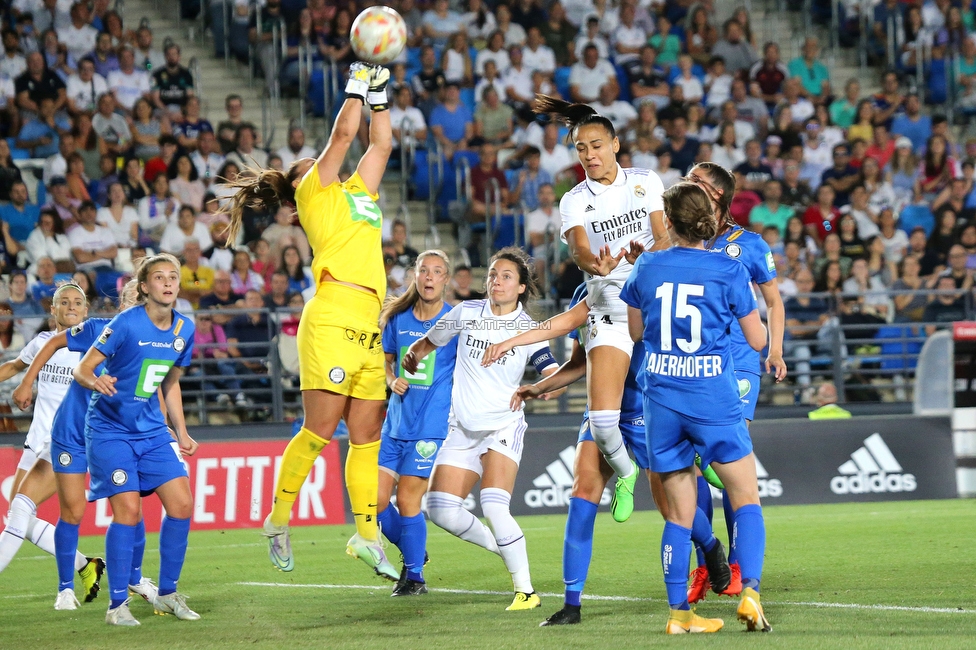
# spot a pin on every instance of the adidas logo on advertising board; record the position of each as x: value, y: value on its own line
x: 554, y: 488
x: 872, y: 468
x: 769, y: 488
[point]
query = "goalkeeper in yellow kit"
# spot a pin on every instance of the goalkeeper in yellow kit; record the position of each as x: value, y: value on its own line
x: 339, y: 340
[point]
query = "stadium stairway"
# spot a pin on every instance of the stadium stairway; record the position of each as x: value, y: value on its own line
x: 215, y: 79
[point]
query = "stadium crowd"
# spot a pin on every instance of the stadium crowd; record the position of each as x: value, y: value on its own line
x: 855, y: 194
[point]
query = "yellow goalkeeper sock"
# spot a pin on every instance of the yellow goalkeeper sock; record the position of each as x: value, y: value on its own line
x: 362, y: 478
x: 296, y: 463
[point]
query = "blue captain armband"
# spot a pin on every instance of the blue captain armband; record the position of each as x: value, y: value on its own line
x: 542, y: 359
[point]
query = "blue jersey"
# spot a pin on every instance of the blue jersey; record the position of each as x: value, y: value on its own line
x: 688, y: 300
x: 139, y: 355
x: 70, y: 418
x: 632, y: 402
x: 753, y: 252
x: 422, y: 412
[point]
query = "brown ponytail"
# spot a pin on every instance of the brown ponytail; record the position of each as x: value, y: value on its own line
x: 690, y: 212
x: 259, y: 189
x: 411, y: 296
x: 572, y: 115
x: 721, y: 179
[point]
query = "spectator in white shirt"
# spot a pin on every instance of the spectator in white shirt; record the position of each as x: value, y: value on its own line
x: 536, y: 55
x: 148, y: 58
x: 296, y: 148
x: 185, y: 227
x: 205, y: 158
x: 479, y: 21
x: 555, y: 158
x: 12, y: 64
x: 92, y: 246
x: 593, y: 36
x: 48, y: 240
x: 691, y: 85
x: 119, y: 217
x: 79, y: 36
x: 628, y: 38
x: 621, y: 114
x: 246, y: 154
x: 490, y: 77
x: 589, y: 75
x: 57, y: 165
x: 514, y: 33
x: 128, y: 83
x: 407, y: 121
x: 518, y: 79
x: 542, y: 228
x: 84, y: 88
x: 496, y: 52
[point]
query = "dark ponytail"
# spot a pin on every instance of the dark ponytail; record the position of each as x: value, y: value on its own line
x: 690, y: 212
x: 519, y: 258
x: 721, y: 179
x: 259, y: 189
x: 572, y: 115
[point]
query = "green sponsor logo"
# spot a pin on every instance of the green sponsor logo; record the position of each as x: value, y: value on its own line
x: 426, y: 449
x: 770, y: 262
x: 151, y: 376
x: 425, y: 369
x: 744, y: 387
x: 363, y: 208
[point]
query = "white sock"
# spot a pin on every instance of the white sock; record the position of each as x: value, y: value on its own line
x: 41, y: 534
x: 21, y: 511
x: 447, y: 511
x: 605, y: 427
x: 511, y: 542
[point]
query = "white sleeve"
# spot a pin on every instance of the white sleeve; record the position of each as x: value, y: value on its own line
x: 655, y: 193
x: 447, y: 326
x: 30, y: 350
x: 571, y: 210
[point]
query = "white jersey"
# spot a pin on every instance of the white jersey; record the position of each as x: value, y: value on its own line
x: 52, y: 385
x: 481, y: 396
x: 613, y: 215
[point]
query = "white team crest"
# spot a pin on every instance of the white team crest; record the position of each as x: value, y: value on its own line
x: 179, y: 344
x: 733, y: 250
x: 64, y: 459
x: 337, y: 375
x: 119, y: 477
x: 639, y: 191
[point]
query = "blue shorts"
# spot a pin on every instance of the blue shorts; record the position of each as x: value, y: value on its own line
x: 674, y: 438
x: 634, y: 437
x: 748, y: 392
x: 408, y: 457
x: 141, y: 465
x: 68, y: 454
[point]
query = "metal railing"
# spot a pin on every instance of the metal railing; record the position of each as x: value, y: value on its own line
x: 493, y: 218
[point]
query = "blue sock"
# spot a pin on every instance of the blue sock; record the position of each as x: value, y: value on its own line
x: 702, y: 535
x: 729, y: 525
x: 391, y: 523
x: 138, y: 550
x: 65, y: 547
x: 705, y: 507
x: 118, y: 561
x: 750, y: 544
x: 413, y: 544
x: 173, y: 535
x: 578, y: 547
x: 675, y: 556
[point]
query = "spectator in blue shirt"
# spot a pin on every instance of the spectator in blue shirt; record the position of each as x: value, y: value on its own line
x: 530, y: 178
x: 45, y: 286
x: 452, y: 122
x: 813, y: 74
x: 912, y: 124
x: 19, y: 216
x: 43, y: 134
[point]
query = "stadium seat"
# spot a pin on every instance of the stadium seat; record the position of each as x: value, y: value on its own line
x: 505, y: 231
x: 916, y: 215
x: 623, y: 81
x: 893, y: 347
x: 937, y: 83
x: 420, y: 176
x: 467, y: 98
x: 561, y: 78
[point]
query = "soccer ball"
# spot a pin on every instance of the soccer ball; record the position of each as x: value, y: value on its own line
x: 378, y: 35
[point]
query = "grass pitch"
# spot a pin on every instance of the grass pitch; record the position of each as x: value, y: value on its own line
x: 893, y: 575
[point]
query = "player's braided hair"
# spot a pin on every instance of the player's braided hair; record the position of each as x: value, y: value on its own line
x: 690, y: 212
x: 146, y: 265
x: 259, y: 189
x: 410, y: 297
x: 520, y: 258
x: 572, y: 115
x: 721, y: 179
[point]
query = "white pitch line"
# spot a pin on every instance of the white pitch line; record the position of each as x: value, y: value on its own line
x: 481, y: 592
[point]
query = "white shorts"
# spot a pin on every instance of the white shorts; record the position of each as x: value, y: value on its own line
x: 39, y: 442
x: 464, y: 448
x: 608, y: 328
x: 27, y: 460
